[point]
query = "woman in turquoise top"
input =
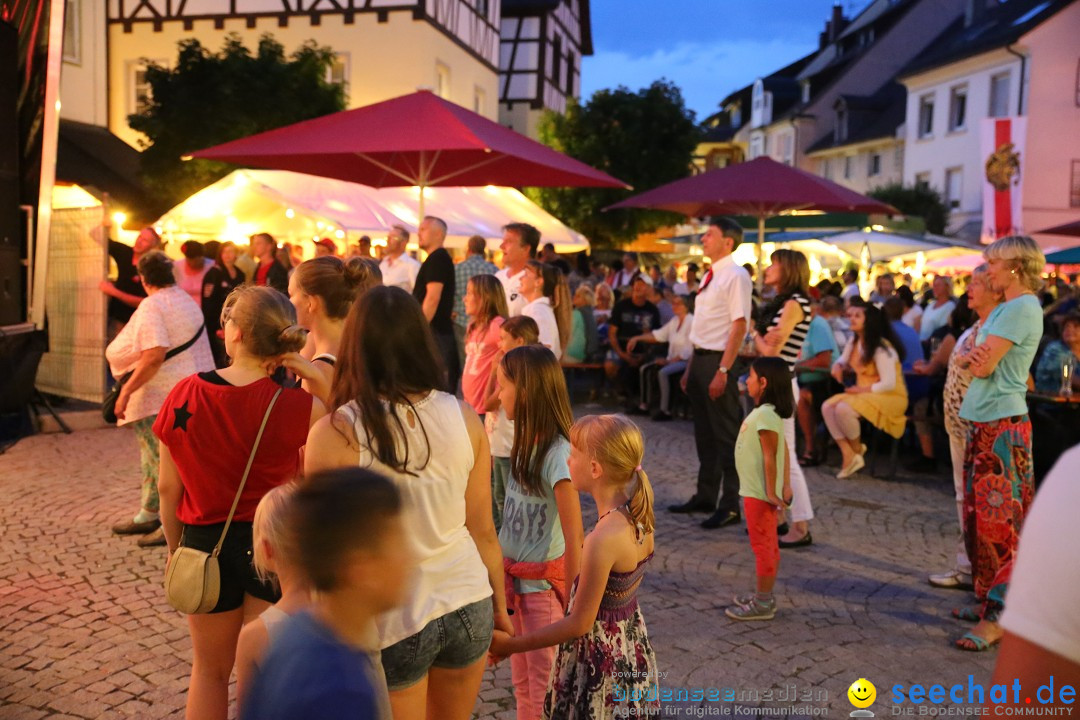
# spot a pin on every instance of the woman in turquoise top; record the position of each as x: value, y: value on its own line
x: 999, y: 484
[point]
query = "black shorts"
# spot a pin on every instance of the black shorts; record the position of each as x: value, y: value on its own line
x: 237, y: 571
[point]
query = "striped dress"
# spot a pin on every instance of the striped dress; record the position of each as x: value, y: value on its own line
x: 793, y: 346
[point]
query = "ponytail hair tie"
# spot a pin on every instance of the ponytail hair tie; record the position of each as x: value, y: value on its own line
x: 638, y: 469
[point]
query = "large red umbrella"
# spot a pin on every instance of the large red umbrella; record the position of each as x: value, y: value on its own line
x: 417, y: 139
x: 1072, y: 229
x: 761, y: 187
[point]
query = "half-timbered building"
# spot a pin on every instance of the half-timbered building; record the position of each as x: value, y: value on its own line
x: 541, y: 46
x: 385, y: 48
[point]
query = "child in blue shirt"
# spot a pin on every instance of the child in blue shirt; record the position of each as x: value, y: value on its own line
x: 350, y: 542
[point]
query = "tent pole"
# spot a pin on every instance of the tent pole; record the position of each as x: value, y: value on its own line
x: 422, y: 188
x: 760, y: 241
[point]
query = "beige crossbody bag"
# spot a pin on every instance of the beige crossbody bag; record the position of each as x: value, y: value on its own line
x: 193, y: 579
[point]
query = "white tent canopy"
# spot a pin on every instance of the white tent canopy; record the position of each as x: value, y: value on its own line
x: 295, y: 208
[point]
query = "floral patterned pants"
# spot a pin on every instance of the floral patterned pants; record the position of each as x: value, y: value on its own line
x: 149, y: 458
x: 998, y: 488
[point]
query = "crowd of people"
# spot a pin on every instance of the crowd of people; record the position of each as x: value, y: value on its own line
x: 381, y: 540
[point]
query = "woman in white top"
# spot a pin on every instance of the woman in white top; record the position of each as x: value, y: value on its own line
x: 166, y: 319
x: 936, y: 314
x: 190, y: 272
x: 676, y: 333
x: 879, y: 395
x: 391, y: 418
x: 913, y: 311
x: 322, y: 290
x: 548, y: 303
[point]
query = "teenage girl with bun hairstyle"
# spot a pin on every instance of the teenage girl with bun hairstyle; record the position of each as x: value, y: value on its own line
x: 207, y: 427
x: 605, y: 666
x: 323, y: 290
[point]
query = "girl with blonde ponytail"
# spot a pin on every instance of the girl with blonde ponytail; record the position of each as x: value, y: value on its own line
x: 604, y: 626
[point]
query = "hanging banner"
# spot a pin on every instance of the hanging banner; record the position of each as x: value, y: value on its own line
x: 1002, y: 145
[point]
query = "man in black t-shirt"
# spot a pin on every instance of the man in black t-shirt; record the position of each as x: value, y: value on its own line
x: 632, y: 316
x: 434, y: 291
x: 127, y: 291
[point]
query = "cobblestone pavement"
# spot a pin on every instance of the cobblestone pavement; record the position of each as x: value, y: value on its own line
x: 85, y: 631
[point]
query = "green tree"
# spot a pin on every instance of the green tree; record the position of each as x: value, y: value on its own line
x: 918, y: 200
x: 645, y: 138
x: 210, y: 98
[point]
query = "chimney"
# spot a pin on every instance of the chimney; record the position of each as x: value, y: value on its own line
x: 837, y: 23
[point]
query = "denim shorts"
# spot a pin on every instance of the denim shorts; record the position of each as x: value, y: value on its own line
x: 456, y: 640
x: 234, y: 563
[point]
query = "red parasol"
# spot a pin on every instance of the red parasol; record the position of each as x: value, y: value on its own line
x: 761, y: 187
x: 1072, y: 229
x: 418, y: 139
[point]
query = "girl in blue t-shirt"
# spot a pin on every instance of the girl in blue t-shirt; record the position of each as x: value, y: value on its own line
x: 761, y: 458
x: 541, y: 531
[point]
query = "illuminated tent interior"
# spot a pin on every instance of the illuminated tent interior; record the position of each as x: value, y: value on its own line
x: 296, y: 208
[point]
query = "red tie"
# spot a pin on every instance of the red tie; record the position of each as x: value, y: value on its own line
x: 706, y: 281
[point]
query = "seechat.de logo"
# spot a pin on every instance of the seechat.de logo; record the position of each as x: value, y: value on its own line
x: 862, y: 694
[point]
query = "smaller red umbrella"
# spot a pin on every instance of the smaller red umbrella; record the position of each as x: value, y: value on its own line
x: 1072, y: 229
x: 417, y: 139
x: 761, y: 187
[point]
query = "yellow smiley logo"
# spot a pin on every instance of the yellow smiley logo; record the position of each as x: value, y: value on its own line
x: 862, y: 693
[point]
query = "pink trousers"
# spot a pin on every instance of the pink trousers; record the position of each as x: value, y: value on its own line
x: 532, y: 670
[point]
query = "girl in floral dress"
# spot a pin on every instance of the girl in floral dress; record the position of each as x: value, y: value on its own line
x: 605, y: 667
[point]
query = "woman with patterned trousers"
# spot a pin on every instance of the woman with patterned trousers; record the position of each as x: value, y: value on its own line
x: 167, y: 319
x: 999, y: 482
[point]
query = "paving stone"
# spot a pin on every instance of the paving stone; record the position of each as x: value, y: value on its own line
x: 85, y: 631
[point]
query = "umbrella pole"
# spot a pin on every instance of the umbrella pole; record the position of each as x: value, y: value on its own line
x: 422, y: 187
x: 760, y: 241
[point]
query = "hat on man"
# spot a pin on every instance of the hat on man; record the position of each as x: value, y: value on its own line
x: 328, y: 244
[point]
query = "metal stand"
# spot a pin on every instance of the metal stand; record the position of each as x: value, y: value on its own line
x: 40, y: 399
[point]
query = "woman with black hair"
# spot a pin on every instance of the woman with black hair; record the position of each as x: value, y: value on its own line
x: 879, y: 395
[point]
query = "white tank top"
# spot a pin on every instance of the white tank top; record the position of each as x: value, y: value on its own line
x: 451, y: 574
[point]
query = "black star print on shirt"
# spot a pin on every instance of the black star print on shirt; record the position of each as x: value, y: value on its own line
x: 182, y: 416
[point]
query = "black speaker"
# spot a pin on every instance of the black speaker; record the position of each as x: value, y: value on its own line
x: 12, y: 273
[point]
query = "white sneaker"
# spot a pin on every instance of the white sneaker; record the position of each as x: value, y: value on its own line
x: 857, y: 463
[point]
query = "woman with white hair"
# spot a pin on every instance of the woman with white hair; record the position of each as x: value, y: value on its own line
x: 999, y: 483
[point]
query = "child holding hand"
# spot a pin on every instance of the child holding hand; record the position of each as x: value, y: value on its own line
x: 604, y: 627
x: 764, y: 479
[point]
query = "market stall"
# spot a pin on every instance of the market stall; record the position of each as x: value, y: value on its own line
x: 295, y: 208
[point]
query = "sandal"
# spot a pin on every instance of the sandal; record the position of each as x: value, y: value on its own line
x: 966, y: 614
x: 809, y: 460
x: 981, y: 644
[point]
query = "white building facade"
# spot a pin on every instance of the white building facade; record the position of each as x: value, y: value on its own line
x: 945, y: 109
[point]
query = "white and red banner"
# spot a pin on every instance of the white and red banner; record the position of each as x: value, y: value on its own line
x: 1002, y: 146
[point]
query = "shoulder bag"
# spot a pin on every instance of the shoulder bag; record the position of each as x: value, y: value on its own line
x: 108, y: 405
x: 193, y: 578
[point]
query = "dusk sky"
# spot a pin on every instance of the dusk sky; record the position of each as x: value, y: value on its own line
x: 706, y: 47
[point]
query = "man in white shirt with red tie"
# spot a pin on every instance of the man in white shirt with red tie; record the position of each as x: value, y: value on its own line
x: 721, y: 315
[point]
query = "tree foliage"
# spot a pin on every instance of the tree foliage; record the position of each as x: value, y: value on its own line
x: 210, y: 98
x: 918, y: 200
x: 645, y: 138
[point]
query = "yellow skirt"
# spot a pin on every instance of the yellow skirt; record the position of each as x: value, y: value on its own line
x: 885, y: 411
